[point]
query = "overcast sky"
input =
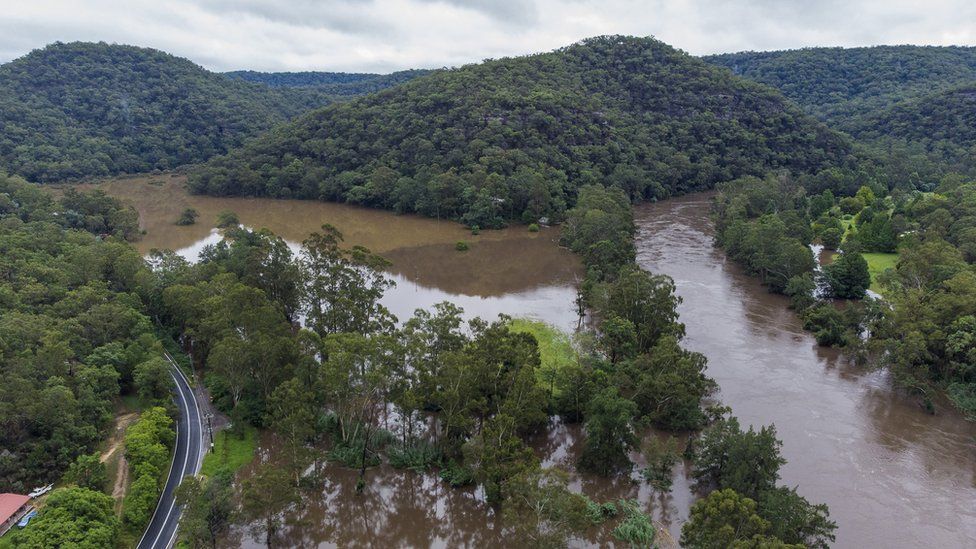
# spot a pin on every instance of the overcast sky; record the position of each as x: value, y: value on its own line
x: 387, y: 35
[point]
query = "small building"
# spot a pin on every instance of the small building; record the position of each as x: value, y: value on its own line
x: 12, y: 508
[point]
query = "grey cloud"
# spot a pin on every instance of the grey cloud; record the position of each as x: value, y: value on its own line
x: 386, y: 35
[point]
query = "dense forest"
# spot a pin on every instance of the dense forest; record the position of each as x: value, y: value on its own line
x: 839, y: 85
x: 514, y: 139
x: 912, y: 106
x: 77, y: 110
x: 339, y: 84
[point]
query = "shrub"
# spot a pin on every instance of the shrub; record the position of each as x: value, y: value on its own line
x: 188, y: 217
x: 461, y: 246
x: 416, y: 455
x: 140, y: 502
x: 534, y: 228
x: 226, y: 219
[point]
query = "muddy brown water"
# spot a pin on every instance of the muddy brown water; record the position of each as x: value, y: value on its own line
x: 892, y: 475
x: 509, y: 271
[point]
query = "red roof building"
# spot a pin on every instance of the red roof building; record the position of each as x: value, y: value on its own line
x: 12, y: 507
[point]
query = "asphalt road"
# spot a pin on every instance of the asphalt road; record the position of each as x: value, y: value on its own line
x: 161, y: 532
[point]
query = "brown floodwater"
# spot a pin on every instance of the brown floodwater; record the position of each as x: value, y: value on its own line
x: 510, y: 271
x: 892, y: 474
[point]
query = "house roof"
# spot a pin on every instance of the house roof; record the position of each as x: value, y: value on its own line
x: 10, y: 504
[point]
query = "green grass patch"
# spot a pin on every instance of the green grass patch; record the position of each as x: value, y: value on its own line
x: 845, y: 223
x: 231, y: 451
x: 556, y: 351
x: 877, y: 264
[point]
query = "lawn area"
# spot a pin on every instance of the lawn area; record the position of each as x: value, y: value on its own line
x: 555, y: 348
x: 877, y: 264
x: 230, y: 451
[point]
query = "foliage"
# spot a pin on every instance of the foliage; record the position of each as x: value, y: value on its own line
x: 93, y: 109
x: 745, y: 461
x: 742, y: 467
x: 636, y: 529
x: 930, y: 289
x: 911, y: 104
x: 794, y: 520
x: 661, y: 456
x: 207, y: 509
x: 516, y: 138
x: 848, y: 276
x: 497, y: 455
x: 461, y: 246
x: 841, y: 83
x: 188, y: 217
x: 727, y: 519
x: 609, y: 433
x: 265, y: 495
x: 152, y: 379
x: 72, y: 517
x: 72, y: 323
x: 668, y: 384
x: 600, y: 229
x: 227, y: 218
x: 827, y: 324
x: 542, y: 510
x: 332, y: 83
x: 761, y: 225
x: 147, y: 443
x: 87, y: 472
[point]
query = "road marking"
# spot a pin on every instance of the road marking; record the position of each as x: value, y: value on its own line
x: 172, y: 462
x: 186, y: 455
x: 196, y: 407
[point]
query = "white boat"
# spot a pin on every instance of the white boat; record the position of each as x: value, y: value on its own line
x: 40, y: 491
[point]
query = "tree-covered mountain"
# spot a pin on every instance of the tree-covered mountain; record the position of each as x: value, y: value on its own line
x: 838, y: 84
x: 90, y: 109
x: 516, y: 137
x: 910, y: 105
x: 940, y: 126
x: 340, y: 84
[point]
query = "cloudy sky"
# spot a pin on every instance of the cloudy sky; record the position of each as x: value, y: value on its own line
x: 387, y: 35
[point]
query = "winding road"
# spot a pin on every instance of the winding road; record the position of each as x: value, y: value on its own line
x: 187, y: 457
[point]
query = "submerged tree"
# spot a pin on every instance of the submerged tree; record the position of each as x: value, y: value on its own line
x: 609, y: 433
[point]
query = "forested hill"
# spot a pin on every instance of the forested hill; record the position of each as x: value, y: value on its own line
x: 339, y: 84
x: 515, y: 137
x: 88, y: 109
x: 836, y: 84
x: 941, y: 126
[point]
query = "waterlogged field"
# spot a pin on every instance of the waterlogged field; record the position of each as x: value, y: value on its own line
x: 512, y: 271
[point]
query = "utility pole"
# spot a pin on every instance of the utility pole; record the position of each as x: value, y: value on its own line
x: 210, y: 429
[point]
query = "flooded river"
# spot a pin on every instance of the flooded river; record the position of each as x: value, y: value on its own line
x: 892, y: 475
